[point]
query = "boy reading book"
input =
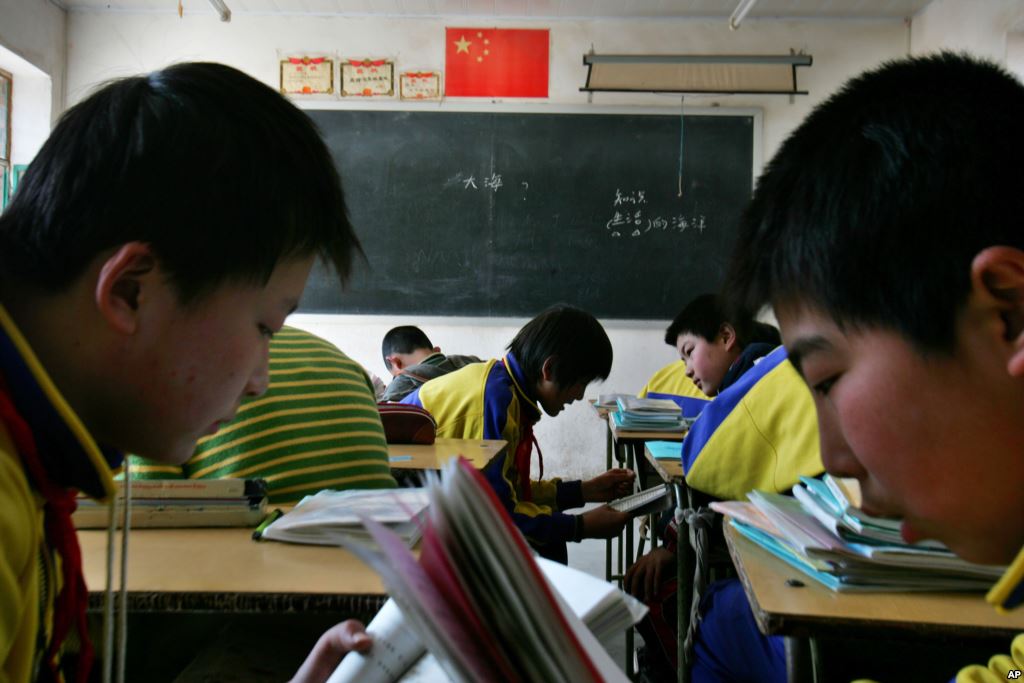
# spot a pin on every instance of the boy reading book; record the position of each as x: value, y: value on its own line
x: 155, y: 245
x: 886, y: 236
x: 549, y: 364
x: 672, y: 381
x: 759, y: 432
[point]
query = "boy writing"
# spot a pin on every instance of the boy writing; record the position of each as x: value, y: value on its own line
x: 156, y: 244
x: 549, y: 364
x: 886, y: 235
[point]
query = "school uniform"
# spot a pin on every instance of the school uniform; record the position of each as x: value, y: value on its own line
x: 316, y: 427
x: 45, y: 456
x: 491, y: 401
x: 414, y: 376
x: 671, y: 383
x: 760, y: 432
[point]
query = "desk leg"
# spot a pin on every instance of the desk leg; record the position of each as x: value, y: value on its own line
x: 801, y: 660
x: 609, y: 446
x: 630, y: 464
x: 685, y: 567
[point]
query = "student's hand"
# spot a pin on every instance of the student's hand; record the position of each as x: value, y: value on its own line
x: 334, y: 644
x: 608, y: 486
x: 603, y: 522
x: 645, y: 576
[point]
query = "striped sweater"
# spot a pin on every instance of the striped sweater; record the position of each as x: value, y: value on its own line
x: 316, y: 427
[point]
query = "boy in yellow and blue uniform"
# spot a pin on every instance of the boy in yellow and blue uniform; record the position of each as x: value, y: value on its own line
x: 758, y: 432
x: 886, y: 235
x: 548, y: 365
x: 118, y: 333
x: 672, y: 382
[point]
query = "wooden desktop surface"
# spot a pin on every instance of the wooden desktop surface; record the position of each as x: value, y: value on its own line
x: 224, y: 569
x: 814, y: 610
x: 433, y: 457
x: 670, y: 471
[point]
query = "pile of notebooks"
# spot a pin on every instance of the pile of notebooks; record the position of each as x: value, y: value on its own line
x: 169, y: 503
x: 821, y: 532
x: 649, y: 415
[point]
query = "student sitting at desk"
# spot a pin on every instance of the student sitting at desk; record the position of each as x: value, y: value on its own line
x: 886, y: 234
x: 758, y: 432
x: 412, y: 360
x: 156, y: 243
x: 672, y: 382
x: 316, y: 427
x: 550, y: 362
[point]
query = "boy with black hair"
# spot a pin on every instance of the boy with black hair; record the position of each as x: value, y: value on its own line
x: 758, y: 432
x: 412, y: 360
x: 672, y: 383
x: 549, y: 364
x: 886, y: 235
x: 156, y: 243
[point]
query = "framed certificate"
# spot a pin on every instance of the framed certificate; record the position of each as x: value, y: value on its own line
x: 367, y: 78
x: 419, y: 85
x: 305, y: 75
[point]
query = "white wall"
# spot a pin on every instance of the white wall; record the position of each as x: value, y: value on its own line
x: 976, y: 26
x: 32, y: 106
x: 105, y: 45
x: 36, y: 31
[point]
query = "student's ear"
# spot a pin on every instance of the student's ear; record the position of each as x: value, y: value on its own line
x: 728, y: 334
x: 437, y: 349
x: 547, y: 371
x: 997, y: 278
x: 123, y: 283
x: 396, y: 362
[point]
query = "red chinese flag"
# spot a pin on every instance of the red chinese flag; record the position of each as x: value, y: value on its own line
x: 496, y: 62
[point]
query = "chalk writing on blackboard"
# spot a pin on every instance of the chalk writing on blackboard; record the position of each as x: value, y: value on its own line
x: 635, y: 223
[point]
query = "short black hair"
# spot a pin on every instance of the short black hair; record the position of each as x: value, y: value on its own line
x: 403, y: 339
x: 875, y: 206
x: 217, y: 172
x: 579, y: 347
x: 705, y: 315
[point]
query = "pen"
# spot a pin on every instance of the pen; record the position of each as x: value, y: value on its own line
x: 257, y: 534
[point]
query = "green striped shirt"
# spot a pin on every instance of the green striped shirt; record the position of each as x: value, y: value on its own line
x: 317, y: 427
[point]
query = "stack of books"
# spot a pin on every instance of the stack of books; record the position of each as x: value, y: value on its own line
x: 169, y: 503
x: 821, y: 532
x: 333, y: 517
x: 649, y: 415
x: 478, y: 601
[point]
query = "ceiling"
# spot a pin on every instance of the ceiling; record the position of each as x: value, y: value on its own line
x: 530, y: 9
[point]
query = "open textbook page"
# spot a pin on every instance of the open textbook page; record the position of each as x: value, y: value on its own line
x: 398, y: 653
x: 477, y: 599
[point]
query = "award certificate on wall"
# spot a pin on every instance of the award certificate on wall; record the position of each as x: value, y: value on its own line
x: 419, y: 85
x: 367, y: 78
x: 305, y: 75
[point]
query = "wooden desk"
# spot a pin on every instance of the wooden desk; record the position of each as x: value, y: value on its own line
x: 180, y: 570
x: 670, y: 471
x: 808, y: 611
x: 433, y: 457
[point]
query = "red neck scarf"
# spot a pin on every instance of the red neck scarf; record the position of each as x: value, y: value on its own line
x: 70, y: 603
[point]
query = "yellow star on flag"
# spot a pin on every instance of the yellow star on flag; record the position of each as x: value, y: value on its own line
x: 462, y: 45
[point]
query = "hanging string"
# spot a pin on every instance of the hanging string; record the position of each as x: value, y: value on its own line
x: 681, y: 128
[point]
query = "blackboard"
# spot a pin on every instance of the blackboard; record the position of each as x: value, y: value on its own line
x: 503, y: 214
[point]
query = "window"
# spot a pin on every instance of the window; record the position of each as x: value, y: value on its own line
x: 6, y: 83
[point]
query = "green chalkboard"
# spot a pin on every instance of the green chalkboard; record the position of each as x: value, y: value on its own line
x: 503, y: 214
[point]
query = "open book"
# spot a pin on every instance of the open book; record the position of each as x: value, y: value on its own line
x: 329, y: 517
x: 477, y: 600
